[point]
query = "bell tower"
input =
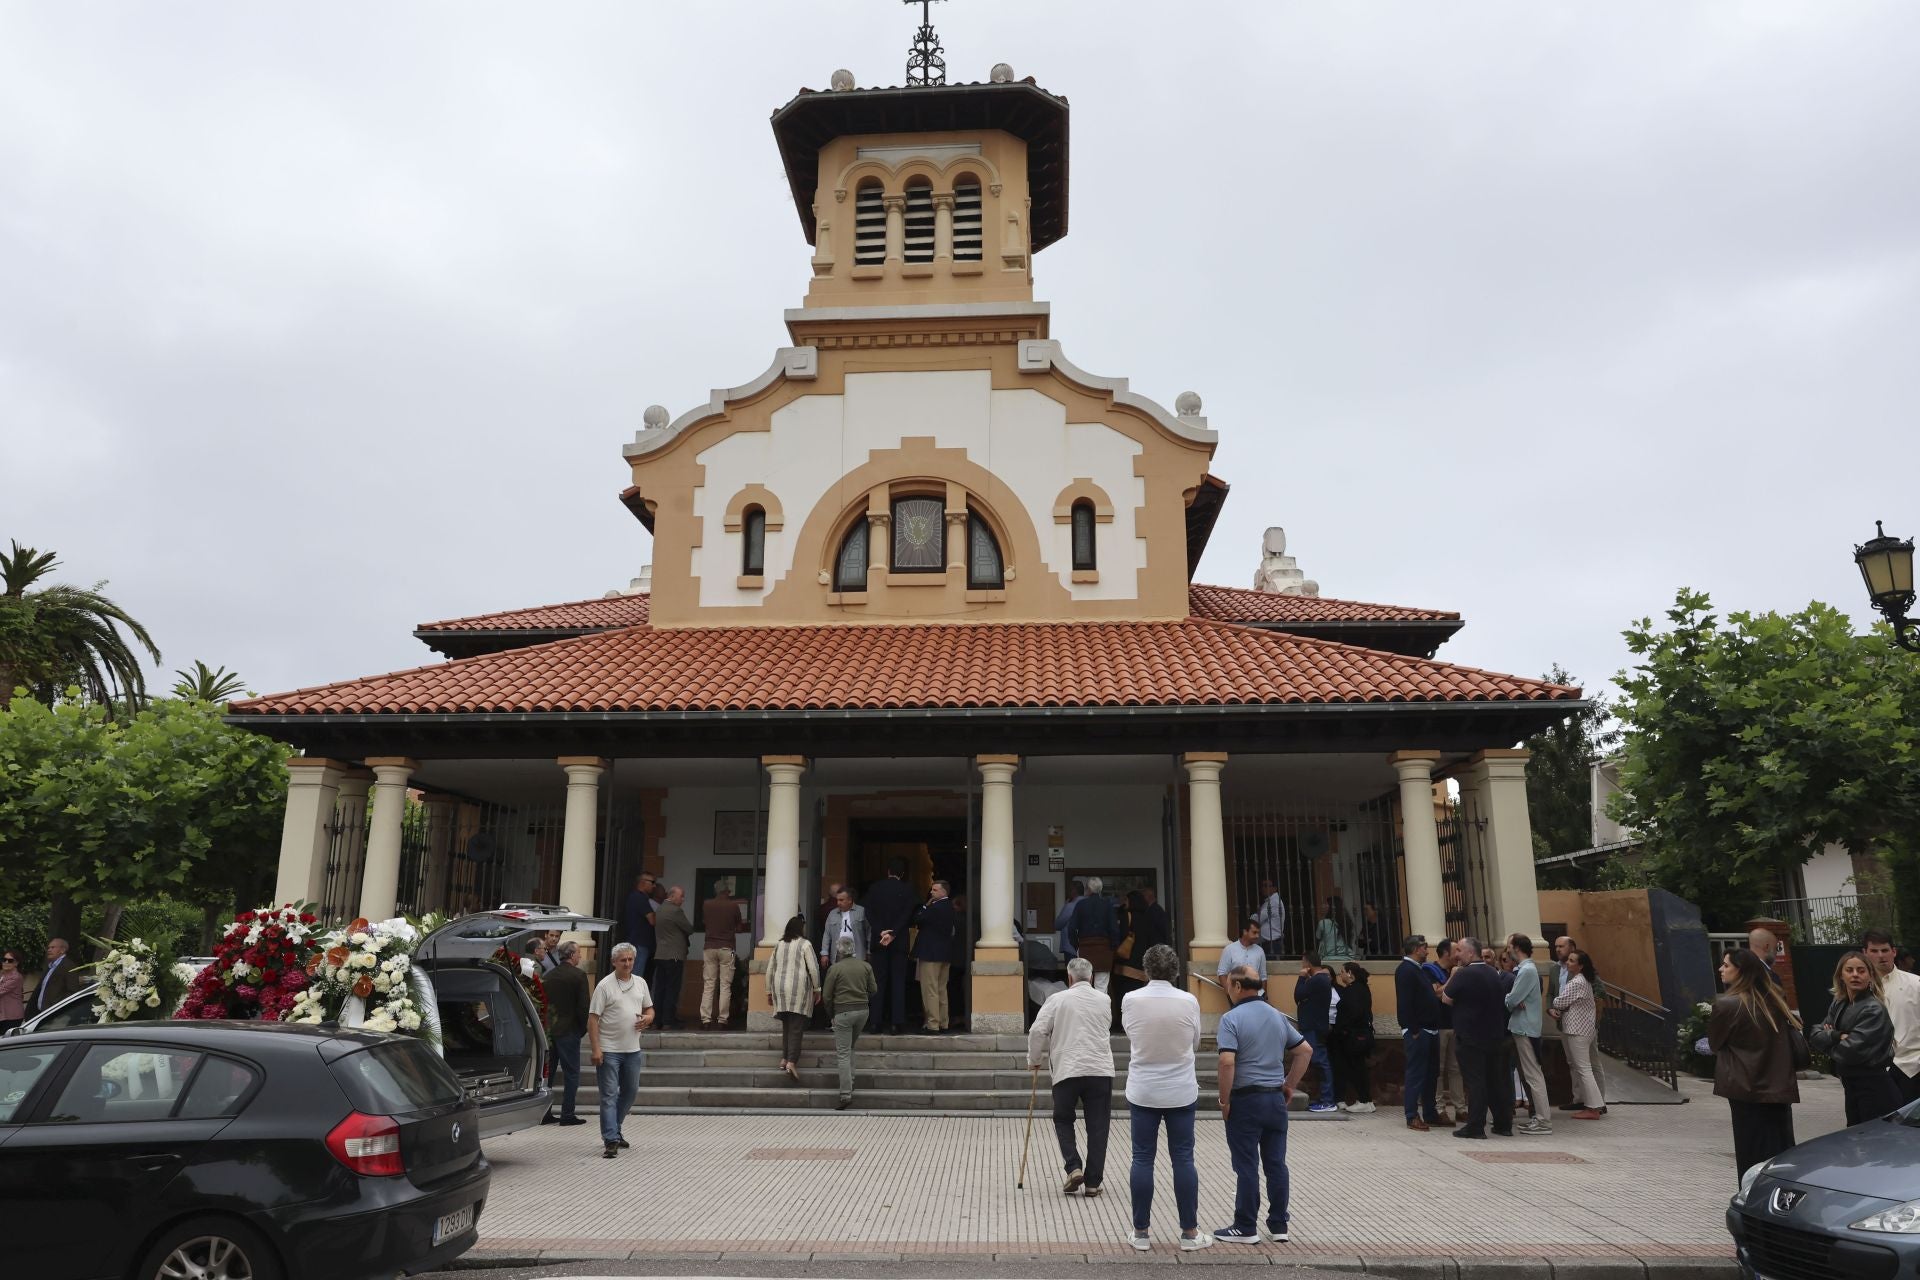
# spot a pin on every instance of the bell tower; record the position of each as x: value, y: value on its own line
x: 927, y: 194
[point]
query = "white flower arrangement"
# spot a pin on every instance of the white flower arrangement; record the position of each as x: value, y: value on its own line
x: 363, y: 967
x: 130, y: 981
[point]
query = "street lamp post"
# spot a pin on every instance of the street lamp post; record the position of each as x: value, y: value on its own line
x: 1886, y: 565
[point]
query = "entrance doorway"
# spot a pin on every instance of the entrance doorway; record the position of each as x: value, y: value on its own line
x: 932, y: 848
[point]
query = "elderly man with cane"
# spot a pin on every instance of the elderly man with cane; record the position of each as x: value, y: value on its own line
x: 1069, y: 1037
x: 1262, y: 1058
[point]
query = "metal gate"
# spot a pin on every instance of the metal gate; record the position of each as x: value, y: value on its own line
x: 1464, y: 876
x: 1338, y: 865
x: 346, y: 860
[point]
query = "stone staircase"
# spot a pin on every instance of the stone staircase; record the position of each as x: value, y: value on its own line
x: 739, y: 1072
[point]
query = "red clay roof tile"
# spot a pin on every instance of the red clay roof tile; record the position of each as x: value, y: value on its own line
x: 1183, y: 663
x: 1234, y: 604
x: 597, y: 614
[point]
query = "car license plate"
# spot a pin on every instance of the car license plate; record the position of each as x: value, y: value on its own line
x: 452, y: 1225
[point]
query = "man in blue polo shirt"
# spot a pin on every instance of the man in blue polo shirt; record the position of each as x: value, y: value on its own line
x: 1261, y: 1061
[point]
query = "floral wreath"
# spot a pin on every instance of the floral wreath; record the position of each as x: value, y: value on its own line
x: 259, y: 966
x: 371, y: 963
x: 529, y: 975
x: 135, y: 982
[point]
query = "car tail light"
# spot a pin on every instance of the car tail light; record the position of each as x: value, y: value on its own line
x: 368, y: 1145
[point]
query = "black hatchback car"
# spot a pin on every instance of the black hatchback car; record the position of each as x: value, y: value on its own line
x: 234, y: 1151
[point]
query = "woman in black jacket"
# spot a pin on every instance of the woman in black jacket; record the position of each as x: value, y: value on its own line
x: 1351, y: 1041
x: 1858, y: 1035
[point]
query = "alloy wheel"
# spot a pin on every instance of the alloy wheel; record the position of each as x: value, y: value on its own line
x: 206, y: 1258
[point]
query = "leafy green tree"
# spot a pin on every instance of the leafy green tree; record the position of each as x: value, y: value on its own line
x: 169, y: 802
x: 56, y: 636
x: 202, y: 685
x: 1752, y: 745
x: 1559, y: 777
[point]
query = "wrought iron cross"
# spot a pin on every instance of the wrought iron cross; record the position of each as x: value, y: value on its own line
x: 924, y: 63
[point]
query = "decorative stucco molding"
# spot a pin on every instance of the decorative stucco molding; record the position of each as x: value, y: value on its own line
x: 798, y: 364
x: 1039, y: 355
x: 1083, y: 489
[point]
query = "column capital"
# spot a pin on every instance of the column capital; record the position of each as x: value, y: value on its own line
x: 391, y: 762
x: 943, y: 200
x: 1500, y: 763
x: 797, y: 761
x: 1399, y: 757
x: 598, y: 762
x: 297, y: 763
x: 1203, y: 757
x: 314, y: 771
x: 893, y: 204
x: 984, y: 761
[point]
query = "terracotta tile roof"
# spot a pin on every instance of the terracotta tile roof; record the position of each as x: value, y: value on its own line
x: 598, y: 614
x: 1233, y: 604
x: 1182, y: 663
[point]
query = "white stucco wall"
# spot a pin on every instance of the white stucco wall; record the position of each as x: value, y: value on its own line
x: 686, y: 846
x: 1021, y: 436
x: 1826, y: 875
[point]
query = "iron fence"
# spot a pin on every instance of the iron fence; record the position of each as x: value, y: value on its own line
x: 1335, y: 869
x: 1836, y: 920
x: 1640, y: 1033
x: 1465, y: 875
x: 346, y: 859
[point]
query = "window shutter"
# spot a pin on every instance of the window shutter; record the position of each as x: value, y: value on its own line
x: 966, y: 222
x: 919, y: 244
x: 869, y: 225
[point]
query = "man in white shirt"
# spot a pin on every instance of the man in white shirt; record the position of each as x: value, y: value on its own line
x: 1247, y: 951
x: 1901, y: 993
x: 620, y: 1010
x: 1163, y: 1030
x: 1272, y: 917
x: 1069, y: 1037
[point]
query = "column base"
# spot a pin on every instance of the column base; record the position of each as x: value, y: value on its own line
x: 997, y: 983
x: 760, y: 1014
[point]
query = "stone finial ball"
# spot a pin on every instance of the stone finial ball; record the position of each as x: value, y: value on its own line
x: 1001, y: 73
x: 656, y: 417
x: 1188, y: 404
x: 842, y: 80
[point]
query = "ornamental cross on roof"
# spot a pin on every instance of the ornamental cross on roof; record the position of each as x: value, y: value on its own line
x: 924, y: 63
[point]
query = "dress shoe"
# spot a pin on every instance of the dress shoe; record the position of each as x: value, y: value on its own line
x: 1464, y: 1132
x: 572, y: 1120
x: 1418, y: 1124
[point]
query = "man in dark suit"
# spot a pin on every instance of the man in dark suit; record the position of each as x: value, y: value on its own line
x: 933, y: 949
x: 1419, y: 1012
x: 56, y: 982
x: 889, y: 914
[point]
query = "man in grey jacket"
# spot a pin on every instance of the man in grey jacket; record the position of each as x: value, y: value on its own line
x: 1069, y: 1038
x: 672, y: 929
x: 1523, y: 1023
x: 846, y: 920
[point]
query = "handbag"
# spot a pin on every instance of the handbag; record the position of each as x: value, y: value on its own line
x: 1797, y: 1044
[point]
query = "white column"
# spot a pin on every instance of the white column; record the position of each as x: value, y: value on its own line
x: 305, y: 828
x: 1207, y: 846
x: 782, y: 890
x: 996, y: 849
x: 1420, y: 840
x: 580, y: 834
x: 1502, y: 778
x: 943, y: 227
x: 896, y: 207
x: 380, y: 885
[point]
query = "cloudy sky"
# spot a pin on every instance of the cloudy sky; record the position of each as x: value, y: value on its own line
x: 319, y: 322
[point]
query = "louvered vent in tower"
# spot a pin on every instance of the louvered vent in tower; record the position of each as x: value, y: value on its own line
x: 869, y: 226
x: 919, y: 245
x: 966, y: 222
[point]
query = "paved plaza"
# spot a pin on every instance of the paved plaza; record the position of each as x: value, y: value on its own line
x: 1647, y: 1183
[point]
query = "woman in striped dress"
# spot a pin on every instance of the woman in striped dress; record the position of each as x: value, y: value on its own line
x: 793, y: 988
x: 1579, y: 1028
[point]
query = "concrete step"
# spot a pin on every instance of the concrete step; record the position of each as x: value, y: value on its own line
x: 802, y: 1098
x: 866, y: 1076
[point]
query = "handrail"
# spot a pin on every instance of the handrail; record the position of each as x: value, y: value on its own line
x: 1634, y: 998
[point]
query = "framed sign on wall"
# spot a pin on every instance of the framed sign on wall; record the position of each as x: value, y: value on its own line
x: 737, y: 833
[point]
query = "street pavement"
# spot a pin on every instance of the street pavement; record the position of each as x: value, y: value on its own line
x: 1640, y: 1192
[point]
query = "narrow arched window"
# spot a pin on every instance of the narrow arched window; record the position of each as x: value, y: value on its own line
x: 850, y: 566
x: 753, y: 542
x: 869, y: 225
x: 966, y: 220
x: 919, y: 223
x: 919, y: 535
x: 1084, y: 557
x: 984, y: 566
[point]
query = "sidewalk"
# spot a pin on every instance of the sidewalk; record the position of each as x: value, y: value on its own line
x: 1639, y: 1192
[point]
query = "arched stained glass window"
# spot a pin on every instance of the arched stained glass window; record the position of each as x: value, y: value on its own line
x: 753, y: 549
x: 984, y: 568
x: 850, y: 567
x: 1083, y: 547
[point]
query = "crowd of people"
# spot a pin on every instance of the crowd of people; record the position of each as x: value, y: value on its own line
x: 25, y: 994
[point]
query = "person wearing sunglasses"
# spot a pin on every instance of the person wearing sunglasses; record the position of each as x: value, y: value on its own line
x: 13, y: 998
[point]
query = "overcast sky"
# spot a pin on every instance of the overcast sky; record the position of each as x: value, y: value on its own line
x: 320, y: 321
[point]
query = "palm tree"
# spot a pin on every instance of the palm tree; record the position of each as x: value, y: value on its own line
x: 60, y: 635
x: 202, y: 685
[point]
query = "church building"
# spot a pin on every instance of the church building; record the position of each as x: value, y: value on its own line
x: 922, y: 589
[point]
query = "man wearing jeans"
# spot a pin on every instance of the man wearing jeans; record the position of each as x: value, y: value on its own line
x: 621, y: 1009
x: 1419, y: 1011
x: 1313, y: 1005
x: 1069, y: 1038
x: 1261, y: 1061
x: 569, y: 1001
x: 1163, y: 1029
x: 1523, y: 1021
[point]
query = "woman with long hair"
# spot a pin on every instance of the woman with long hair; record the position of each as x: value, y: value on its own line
x: 793, y: 988
x: 1331, y: 936
x: 1858, y: 1035
x: 1751, y: 1033
x: 1574, y: 1009
x: 1352, y: 1041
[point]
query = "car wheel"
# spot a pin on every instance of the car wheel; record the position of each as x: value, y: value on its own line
x: 210, y: 1249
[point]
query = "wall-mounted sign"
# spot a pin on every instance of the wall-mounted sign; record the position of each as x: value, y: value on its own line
x: 1033, y: 859
x: 1056, y: 859
x: 1056, y: 837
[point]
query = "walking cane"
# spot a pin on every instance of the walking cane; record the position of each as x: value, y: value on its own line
x: 1020, y: 1183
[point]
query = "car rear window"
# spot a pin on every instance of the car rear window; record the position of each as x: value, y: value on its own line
x: 402, y: 1076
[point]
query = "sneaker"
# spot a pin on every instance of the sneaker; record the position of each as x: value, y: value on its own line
x: 1339, y: 1106
x: 612, y: 1150
x: 1195, y: 1241
x: 1537, y: 1129
x: 1139, y: 1240
x: 1321, y: 1108
x: 625, y: 1145
x: 1091, y: 1193
x: 1362, y: 1109
x: 1074, y: 1180
x: 1276, y: 1234
x: 1234, y: 1235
